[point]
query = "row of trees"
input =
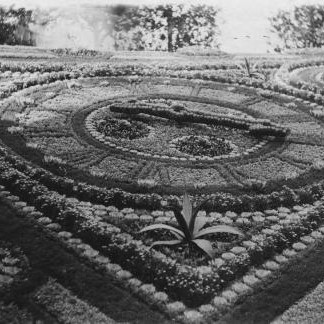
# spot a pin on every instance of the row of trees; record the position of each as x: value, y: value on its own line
x: 302, y: 27
x: 168, y: 27
x: 162, y: 27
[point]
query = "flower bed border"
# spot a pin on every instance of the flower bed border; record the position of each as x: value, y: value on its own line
x: 89, y: 125
x: 250, y: 283
x: 106, y: 70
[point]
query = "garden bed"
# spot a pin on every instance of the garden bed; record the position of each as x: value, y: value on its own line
x: 108, y: 149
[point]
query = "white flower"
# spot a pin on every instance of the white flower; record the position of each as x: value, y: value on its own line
x: 193, y: 317
x: 203, y: 270
x: 123, y: 275
x: 160, y: 297
x: 175, y: 308
x: 207, y: 309
x: 147, y: 289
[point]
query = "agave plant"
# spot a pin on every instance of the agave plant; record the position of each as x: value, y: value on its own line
x: 191, y: 229
x: 250, y: 70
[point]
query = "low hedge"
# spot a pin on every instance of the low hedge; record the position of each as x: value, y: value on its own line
x: 187, y: 286
x: 220, y: 202
x: 258, y: 128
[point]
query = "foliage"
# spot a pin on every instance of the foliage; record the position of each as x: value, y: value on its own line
x: 191, y: 229
x: 164, y: 27
x: 67, y: 307
x: 250, y: 70
x: 14, y: 26
x: 12, y: 314
x: 122, y: 128
x: 204, y: 145
x: 83, y: 52
x: 6, y: 29
x: 303, y: 27
x: 199, y: 51
x: 263, y: 128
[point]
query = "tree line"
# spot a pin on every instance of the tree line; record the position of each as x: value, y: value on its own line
x: 171, y: 27
x: 162, y: 27
x: 302, y: 27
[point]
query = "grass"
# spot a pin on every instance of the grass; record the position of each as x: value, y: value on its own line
x: 48, y: 259
x: 14, y: 315
x: 308, y: 310
x: 295, y: 280
x: 66, y: 307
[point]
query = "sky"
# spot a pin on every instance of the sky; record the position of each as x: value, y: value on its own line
x: 244, y: 23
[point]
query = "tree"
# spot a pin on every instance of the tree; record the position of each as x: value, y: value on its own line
x: 164, y: 27
x: 186, y: 26
x: 6, y: 29
x: 14, y: 26
x: 128, y: 27
x: 301, y: 28
x: 22, y: 19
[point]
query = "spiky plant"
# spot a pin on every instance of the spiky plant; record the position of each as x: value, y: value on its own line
x: 250, y: 70
x: 191, y: 229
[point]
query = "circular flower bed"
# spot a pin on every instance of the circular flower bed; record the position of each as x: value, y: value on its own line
x: 122, y: 128
x: 203, y: 145
x: 159, y: 134
x: 128, y: 142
